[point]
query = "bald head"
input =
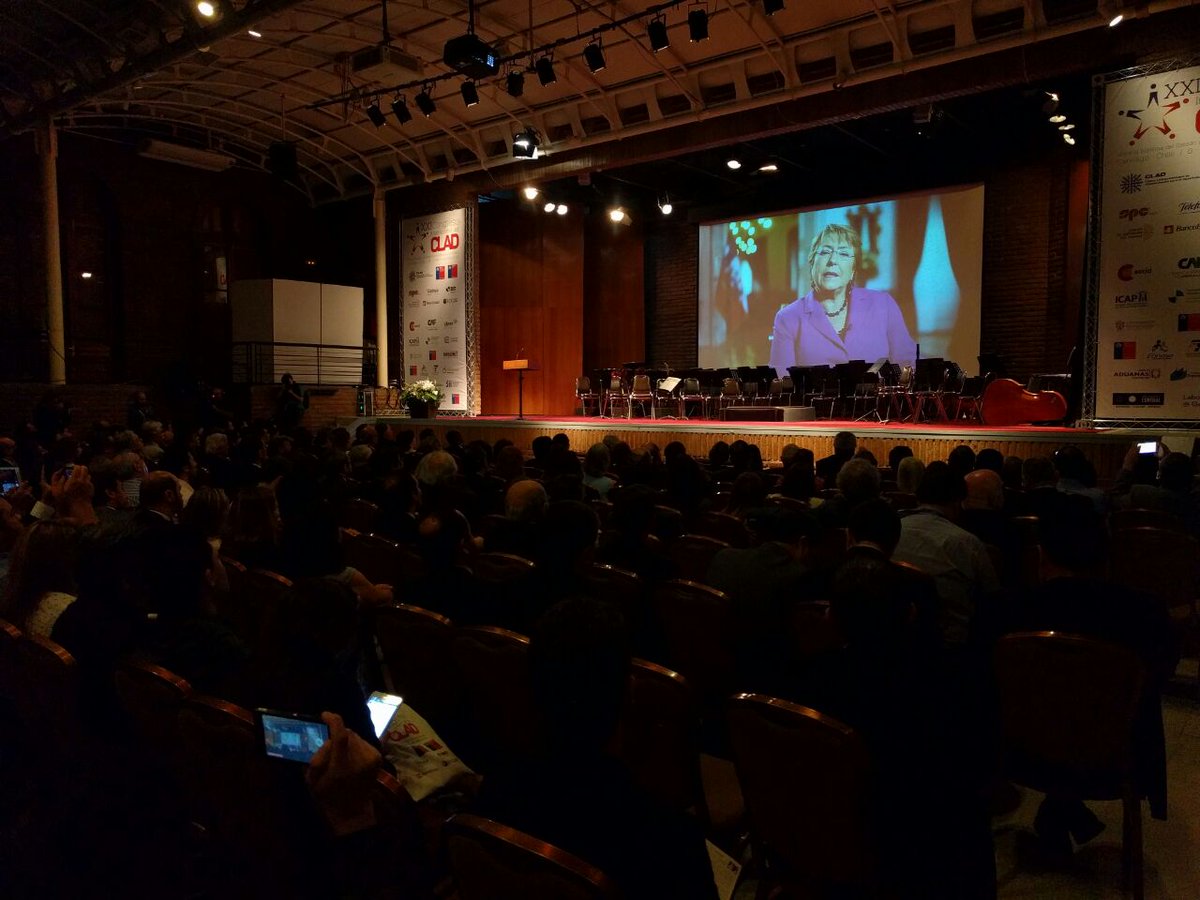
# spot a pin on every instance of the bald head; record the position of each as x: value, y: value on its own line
x: 525, y: 501
x: 160, y: 492
x: 985, y: 490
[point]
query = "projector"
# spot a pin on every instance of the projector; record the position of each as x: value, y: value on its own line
x: 471, y: 56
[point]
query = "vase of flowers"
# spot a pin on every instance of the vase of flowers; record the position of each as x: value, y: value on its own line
x: 421, y: 398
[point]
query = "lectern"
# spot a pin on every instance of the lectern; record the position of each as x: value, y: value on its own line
x: 520, y: 366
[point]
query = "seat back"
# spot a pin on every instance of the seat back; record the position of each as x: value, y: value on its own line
x: 502, y: 568
x: 641, y: 384
x: 361, y: 515
x: 373, y: 555
x: 490, y: 861
x: 416, y: 647
x: 813, y: 630
x: 723, y: 527
x: 583, y: 385
x: 804, y: 777
x: 1067, y: 706
x: 1121, y: 519
x: 691, y: 386
x: 660, y: 736
x: 697, y: 622
x: 1162, y: 561
x: 828, y: 549
x: 267, y: 594
x: 47, y: 696
x: 236, y: 605
x: 693, y: 553
x: 621, y: 587
x: 152, y: 697
x: 493, y: 666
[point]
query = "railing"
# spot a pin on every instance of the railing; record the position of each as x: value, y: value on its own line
x: 265, y: 362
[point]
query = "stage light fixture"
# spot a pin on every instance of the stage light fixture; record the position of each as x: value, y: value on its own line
x: 206, y: 9
x: 1050, y: 104
x: 375, y: 114
x: 698, y: 24
x: 561, y: 209
x: 514, y: 83
x: 616, y: 214
x: 400, y: 110
x: 665, y: 206
x: 770, y: 7
x: 768, y: 168
x: 593, y: 55
x: 734, y: 164
x: 470, y: 93
x: 254, y: 34
x: 1070, y: 140
x: 1058, y: 118
x: 1113, y: 10
x: 86, y: 276
x: 1070, y: 126
x: 531, y: 193
x: 657, y: 32
x: 545, y: 71
x: 424, y: 101
x: 526, y: 143
x: 548, y: 207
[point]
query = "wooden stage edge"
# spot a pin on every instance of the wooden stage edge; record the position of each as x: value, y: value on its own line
x: 1105, y: 447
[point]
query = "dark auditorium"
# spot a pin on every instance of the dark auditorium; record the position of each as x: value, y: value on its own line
x: 654, y: 450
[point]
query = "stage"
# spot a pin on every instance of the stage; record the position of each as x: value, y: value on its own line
x: 1106, y: 448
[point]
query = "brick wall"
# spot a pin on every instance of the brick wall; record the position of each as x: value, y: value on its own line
x: 88, y: 403
x: 330, y: 407
x: 672, y: 248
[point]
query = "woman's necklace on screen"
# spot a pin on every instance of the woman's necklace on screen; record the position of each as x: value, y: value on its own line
x: 837, y: 316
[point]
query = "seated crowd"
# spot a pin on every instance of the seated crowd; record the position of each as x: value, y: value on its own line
x: 128, y: 543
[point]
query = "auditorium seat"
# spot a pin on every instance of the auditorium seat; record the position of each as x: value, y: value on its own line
x: 416, y: 648
x: 493, y: 666
x: 693, y: 553
x: 361, y: 515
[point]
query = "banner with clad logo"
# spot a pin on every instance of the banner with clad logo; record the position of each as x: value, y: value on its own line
x: 433, y: 254
x: 1147, y: 278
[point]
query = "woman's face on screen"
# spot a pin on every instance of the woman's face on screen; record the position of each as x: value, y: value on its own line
x: 833, y: 265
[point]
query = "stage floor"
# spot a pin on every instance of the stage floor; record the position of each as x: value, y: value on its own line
x: 929, y: 441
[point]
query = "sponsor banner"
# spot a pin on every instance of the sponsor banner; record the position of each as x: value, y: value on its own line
x: 1148, y: 224
x: 433, y: 251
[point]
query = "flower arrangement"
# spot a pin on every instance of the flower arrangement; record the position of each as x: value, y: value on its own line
x: 424, y: 390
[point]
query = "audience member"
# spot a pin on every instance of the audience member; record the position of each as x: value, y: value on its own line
x: 844, y: 445
x: 41, y: 581
x: 1076, y: 476
x: 909, y: 475
x: 896, y: 455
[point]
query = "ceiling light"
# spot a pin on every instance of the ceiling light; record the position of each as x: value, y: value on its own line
x: 768, y: 168
x: 698, y: 24
x: 206, y: 9
x: 85, y: 275
x: 665, y: 205
x: 548, y: 206
x: 531, y: 193
x: 254, y: 34
x: 1058, y: 118
x: 657, y: 32
x: 1068, y: 127
x: 375, y: 114
x: 526, y: 143
x: 733, y: 164
x: 545, y: 71
x: 616, y: 214
x: 561, y: 209
x: 424, y: 101
x: 469, y: 93
x: 515, y: 83
x: 1050, y: 104
x: 1070, y: 140
x: 1116, y: 20
x: 400, y: 110
x: 770, y: 7
x: 593, y: 55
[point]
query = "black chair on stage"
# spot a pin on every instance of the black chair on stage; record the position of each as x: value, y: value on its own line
x: 690, y: 392
x: 641, y: 393
x: 615, y: 396
x: 586, y: 395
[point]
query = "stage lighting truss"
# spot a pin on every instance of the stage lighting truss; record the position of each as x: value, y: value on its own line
x: 545, y: 71
x: 425, y: 102
x: 375, y: 114
x: 698, y: 24
x: 526, y: 144
x: 400, y: 110
x: 514, y: 83
x: 593, y: 55
x: 470, y: 93
x: 656, y: 31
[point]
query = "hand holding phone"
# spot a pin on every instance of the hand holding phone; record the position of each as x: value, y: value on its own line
x: 382, y: 707
x: 291, y: 736
x: 1147, y: 448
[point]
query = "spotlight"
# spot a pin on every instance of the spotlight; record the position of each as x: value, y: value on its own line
x: 375, y: 114
x: 424, y: 101
x: 1058, y: 118
x: 593, y: 55
x: 616, y: 214
x: 1068, y: 127
x: 734, y: 164
x: 1113, y: 10
x: 561, y: 209
x: 515, y: 83
x: 665, y: 205
x: 531, y: 193
x: 469, y: 93
x: 206, y: 9
x: 698, y: 24
x: 545, y: 71
x: 770, y: 7
x: 526, y: 143
x: 657, y: 32
x: 85, y: 275
x: 1116, y: 20
x: 1050, y: 104
x: 548, y: 206
x: 254, y: 34
x: 768, y: 168
x: 1070, y: 140
x: 400, y: 110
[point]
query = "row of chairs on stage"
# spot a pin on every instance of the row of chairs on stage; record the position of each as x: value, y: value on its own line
x: 935, y: 390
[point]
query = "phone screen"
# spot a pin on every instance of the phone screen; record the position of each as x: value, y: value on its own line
x: 290, y: 736
x: 1148, y: 447
x: 10, y: 479
x: 382, y: 707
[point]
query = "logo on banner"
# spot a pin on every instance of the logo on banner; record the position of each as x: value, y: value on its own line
x: 1139, y: 373
x: 452, y: 270
x: 1155, y: 114
x: 1145, y: 232
x: 1189, y: 206
x: 1125, y: 350
x: 1133, y: 324
x: 1151, y: 399
x: 1180, y: 374
x: 1189, y: 264
x: 439, y: 273
x: 455, y: 399
x: 1160, y: 351
x: 1184, y: 295
x: 1140, y: 298
x: 413, y: 342
x: 430, y: 322
x: 416, y: 240
x: 444, y: 242
x: 449, y: 354
x: 1133, y: 214
x: 1128, y: 272
x: 412, y: 370
x: 1188, y: 322
x: 412, y: 326
x: 432, y: 355
x: 1131, y: 184
x: 1171, y: 229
